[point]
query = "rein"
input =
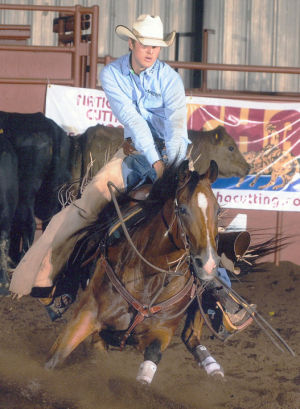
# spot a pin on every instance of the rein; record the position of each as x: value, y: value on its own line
x: 146, y: 311
x: 167, y: 233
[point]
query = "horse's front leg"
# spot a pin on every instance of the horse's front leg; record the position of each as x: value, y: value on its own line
x: 191, y: 337
x: 83, y: 324
x: 153, y: 344
x: 152, y: 356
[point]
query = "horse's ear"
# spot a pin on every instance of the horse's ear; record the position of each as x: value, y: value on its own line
x: 183, y: 171
x: 218, y: 135
x: 212, y: 172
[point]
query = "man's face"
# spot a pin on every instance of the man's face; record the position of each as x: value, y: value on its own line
x: 143, y: 56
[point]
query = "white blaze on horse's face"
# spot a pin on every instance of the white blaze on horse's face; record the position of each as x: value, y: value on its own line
x: 210, y: 264
x: 202, y: 203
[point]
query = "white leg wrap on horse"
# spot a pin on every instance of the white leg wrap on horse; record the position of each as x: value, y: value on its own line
x: 146, y: 372
x: 212, y: 367
x: 208, y: 362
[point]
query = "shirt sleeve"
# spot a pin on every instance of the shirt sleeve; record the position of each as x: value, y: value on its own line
x: 176, y: 137
x: 126, y: 112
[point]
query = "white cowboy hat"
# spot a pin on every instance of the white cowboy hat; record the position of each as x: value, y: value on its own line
x: 148, y: 30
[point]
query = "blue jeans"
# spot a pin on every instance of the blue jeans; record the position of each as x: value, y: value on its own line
x: 222, y: 273
x: 136, y: 171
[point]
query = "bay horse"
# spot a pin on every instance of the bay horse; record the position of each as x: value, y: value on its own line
x: 140, y: 293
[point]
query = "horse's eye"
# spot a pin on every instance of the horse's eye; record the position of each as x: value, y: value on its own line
x: 182, y: 210
x: 231, y: 148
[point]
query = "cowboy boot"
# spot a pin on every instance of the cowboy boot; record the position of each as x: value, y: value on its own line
x: 235, y: 317
x: 227, y: 315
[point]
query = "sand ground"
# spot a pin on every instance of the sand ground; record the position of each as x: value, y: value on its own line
x: 257, y: 374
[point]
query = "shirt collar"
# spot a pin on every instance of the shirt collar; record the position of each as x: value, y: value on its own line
x: 126, y: 67
x: 126, y: 64
x: 153, y: 68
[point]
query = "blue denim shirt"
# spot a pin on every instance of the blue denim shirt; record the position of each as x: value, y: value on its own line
x: 148, y: 105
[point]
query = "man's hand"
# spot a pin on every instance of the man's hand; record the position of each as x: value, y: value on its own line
x: 128, y: 147
x: 159, y: 167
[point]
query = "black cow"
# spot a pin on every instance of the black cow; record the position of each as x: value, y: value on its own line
x: 42, y: 149
x: 8, y: 205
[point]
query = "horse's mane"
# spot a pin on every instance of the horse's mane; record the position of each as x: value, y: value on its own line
x: 162, y: 190
x: 166, y: 187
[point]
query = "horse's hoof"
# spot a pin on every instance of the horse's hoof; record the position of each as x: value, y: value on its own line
x: 218, y: 374
x: 47, y: 366
x: 51, y: 364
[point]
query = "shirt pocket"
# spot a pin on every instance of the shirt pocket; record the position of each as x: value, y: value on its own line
x: 153, y: 100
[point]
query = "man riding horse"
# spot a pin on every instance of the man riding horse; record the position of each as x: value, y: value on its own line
x: 148, y: 98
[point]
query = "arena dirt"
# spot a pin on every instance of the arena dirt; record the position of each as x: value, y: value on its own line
x: 257, y: 374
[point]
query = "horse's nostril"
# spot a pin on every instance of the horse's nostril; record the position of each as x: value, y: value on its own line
x: 199, y: 262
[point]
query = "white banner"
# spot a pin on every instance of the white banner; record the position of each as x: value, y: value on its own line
x: 267, y: 135
x: 76, y: 109
x: 259, y: 200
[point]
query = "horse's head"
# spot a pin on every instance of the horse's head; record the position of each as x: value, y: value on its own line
x: 197, y: 209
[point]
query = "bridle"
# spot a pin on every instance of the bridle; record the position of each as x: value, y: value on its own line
x: 192, y: 288
x: 183, y: 234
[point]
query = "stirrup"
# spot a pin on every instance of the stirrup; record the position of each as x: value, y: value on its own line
x: 44, y: 297
x: 239, y: 321
x: 59, y: 305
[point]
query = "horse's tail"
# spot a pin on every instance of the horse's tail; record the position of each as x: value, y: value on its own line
x: 252, y: 260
